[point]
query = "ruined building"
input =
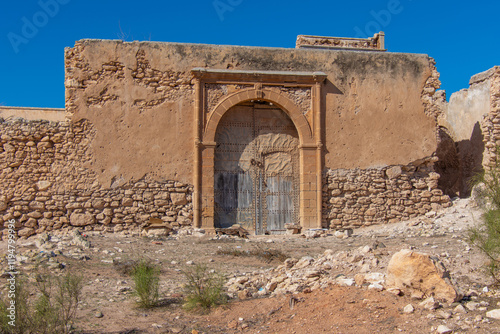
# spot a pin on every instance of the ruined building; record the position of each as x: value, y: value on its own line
x: 335, y: 133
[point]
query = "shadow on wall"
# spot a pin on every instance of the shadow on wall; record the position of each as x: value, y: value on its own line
x: 459, y: 161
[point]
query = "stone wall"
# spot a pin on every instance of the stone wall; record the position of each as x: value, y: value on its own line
x: 490, y: 123
x: 362, y: 197
x: 47, y: 184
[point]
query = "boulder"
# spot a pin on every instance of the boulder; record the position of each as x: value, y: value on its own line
x: 417, y: 273
x: 81, y: 219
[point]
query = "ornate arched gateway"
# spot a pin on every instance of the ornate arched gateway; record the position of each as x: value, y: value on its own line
x: 258, y: 145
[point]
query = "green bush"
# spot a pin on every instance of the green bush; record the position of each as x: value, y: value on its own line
x: 204, y: 289
x: 146, y: 277
x: 22, y: 312
x: 486, y: 236
x: 50, y: 311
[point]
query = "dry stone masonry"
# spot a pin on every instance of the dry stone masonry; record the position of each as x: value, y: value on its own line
x: 47, y: 184
x: 353, y: 198
x: 491, y: 121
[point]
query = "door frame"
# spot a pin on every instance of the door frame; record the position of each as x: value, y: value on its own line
x: 217, y: 91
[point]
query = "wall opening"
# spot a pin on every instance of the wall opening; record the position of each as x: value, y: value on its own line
x: 256, y: 169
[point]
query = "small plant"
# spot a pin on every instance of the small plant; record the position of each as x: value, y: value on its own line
x: 146, y: 277
x: 51, y: 311
x: 487, y: 235
x: 204, y: 289
x: 22, y: 314
x: 266, y: 255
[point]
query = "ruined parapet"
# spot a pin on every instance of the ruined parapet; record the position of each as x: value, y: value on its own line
x: 28, y: 113
x: 433, y: 99
x: 375, y: 43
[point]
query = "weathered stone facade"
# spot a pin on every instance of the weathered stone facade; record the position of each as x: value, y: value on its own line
x: 144, y: 120
x: 47, y: 184
x: 354, y: 198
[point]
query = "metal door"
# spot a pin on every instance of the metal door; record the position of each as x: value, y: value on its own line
x: 256, y: 169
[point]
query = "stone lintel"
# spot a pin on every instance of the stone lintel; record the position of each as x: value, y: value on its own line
x: 259, y: 76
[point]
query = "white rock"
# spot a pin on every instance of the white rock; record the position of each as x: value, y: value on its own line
x: 460, y: 309
x: 409, y: 309
x: 338, y: 234
x: 375, y: 278
x: 494, y: 314
x: 345, y: 281
x: 472, y: 306
x: 366, y: 249
x: 429, y: 304
x: 442, y: 329
x: 376, y: 286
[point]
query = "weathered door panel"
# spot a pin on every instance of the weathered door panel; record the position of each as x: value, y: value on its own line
x: 256, y: 169
x: 281, y: 194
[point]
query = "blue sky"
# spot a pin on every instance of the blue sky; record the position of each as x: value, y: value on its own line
x: 461, y: 36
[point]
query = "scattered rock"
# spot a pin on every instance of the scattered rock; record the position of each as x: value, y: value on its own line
x: 234, y: 230
x: 429, y: 304
x: 409, y: 309
x: 313, y: 233
x: 493, y: 314
x: 156, y: 228
x: 442, y: 329
x: 460, y: 309
x: 79, y: 240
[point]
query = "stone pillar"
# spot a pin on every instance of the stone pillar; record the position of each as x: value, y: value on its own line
x: 309, y: 188
x: 207, y: 186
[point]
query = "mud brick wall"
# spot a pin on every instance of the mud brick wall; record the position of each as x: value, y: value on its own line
x: 47, y: 184
x: 362, y: 197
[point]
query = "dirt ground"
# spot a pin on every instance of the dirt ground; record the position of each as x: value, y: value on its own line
x: 109, y: 306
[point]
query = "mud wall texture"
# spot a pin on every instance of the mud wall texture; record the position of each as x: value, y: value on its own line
x: 48, y: 114
x: 141, y: 96
x: 47, y: 184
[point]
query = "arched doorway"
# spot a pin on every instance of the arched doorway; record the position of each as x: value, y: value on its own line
x: 256, y: 169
